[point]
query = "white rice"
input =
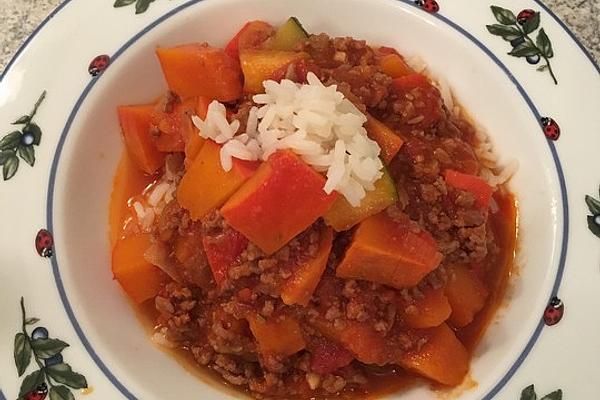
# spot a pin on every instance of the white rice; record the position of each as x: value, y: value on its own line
x: 316, y: 122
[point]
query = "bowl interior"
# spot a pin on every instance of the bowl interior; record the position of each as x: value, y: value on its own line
x: 93, y: 147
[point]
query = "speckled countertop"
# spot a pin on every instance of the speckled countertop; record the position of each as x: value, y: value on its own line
x: 18, y: 18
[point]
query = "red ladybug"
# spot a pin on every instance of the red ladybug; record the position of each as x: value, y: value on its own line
x: 551, y: 128
x: 98, y: 65
x: 428, y: 5
x: 525, y: 16
x: 39, y: 393
x: 554, y: 312
x: 44, y: 243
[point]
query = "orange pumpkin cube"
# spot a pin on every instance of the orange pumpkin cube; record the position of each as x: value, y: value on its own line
x: 282, y: 199
x: 431, y: 310
x: 200, y: 70
x: 443, y: 358
x: 466, y: 294
x: 300, y: 286
x: 135, y: 124
x: 138, y: 278
x: 206, y: 185
x: 278, y: 335
x: 388, y: 140
x: 389, y: 252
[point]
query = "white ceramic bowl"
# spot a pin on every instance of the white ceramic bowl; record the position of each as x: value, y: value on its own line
x: 92, y: 147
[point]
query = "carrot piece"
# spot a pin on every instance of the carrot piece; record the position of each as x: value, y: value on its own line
x: 129, y: 181
x: 260, y: 65
x: 138, y: 278
x: 300, y: 286
x: 278, y: 335
x: 282, y: 199
x: 387, y: 251
x: 222, y: 251
x: 206, y: 186
x: 443, y: 358
x: 135, y: 124
x: 394, y: 66
x: 470, y: 183
x: 427, y: 312
x: 252, y: 35
x: 200, y: 70
x: 466, y: 294
x: 388, y: 140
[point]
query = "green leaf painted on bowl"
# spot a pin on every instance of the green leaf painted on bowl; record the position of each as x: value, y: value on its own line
x: 27, y: 153
x: 528, y: 393
x: 544, y: 44
x: 504, y: 16
x: 11, y: 140
x: 22, y: 120
x: 532, y: 23
x: 61, y: 393
x: 123, y: 3
x: 62, y: 373
x: 508, y: 33
x: 524, y: 49
x: 556, y: 395
x: 31, y: 382
x: 46, y: 348
x: 22, y: 352
x: 10, y: 167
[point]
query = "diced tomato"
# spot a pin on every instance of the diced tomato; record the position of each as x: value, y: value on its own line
x: 222, y: 251
x: 470, y: 183
x: 427, y: 104
x: 174, y: 126
x: 252, y: 35
x: 328, y: 356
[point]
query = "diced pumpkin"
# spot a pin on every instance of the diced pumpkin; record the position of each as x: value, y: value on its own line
x: 129, y: 181
x: 342, y: 216
x: 300, y: 286
x: 222, y: 251
x: 135, y: 124
x: 387, y: 251
x: 388, y: 140
x: 466, y: 295
x: 206, y: 186
x: 362, y: 340
x: 280, y: 335
x: 288, y: 35
x: 470, y: 183
x: 394, y: 66
x: 431, y: 310
x: 200, y: 70
x: 443, y: 358
x: 282, y: 199
x: 175, y: 126
x: 260, y: 65
x: 252, y: 35
x: 194, y: 142
x: 138, y: 278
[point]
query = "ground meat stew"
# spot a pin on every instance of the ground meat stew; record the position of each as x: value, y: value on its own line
x: 281, y: 289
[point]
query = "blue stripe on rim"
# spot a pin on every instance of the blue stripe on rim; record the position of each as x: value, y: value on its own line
x: 58, y: 278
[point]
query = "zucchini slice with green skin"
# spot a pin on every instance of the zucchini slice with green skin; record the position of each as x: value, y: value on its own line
x: 288, y: 35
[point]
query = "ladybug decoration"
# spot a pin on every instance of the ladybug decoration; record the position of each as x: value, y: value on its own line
x: 431, y: 6
x: 98, y: 65
x: 551, y: 128
x: 39, y: 393
x: 525, y: 16
x: 44, y: 243
x: 554, y: 312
